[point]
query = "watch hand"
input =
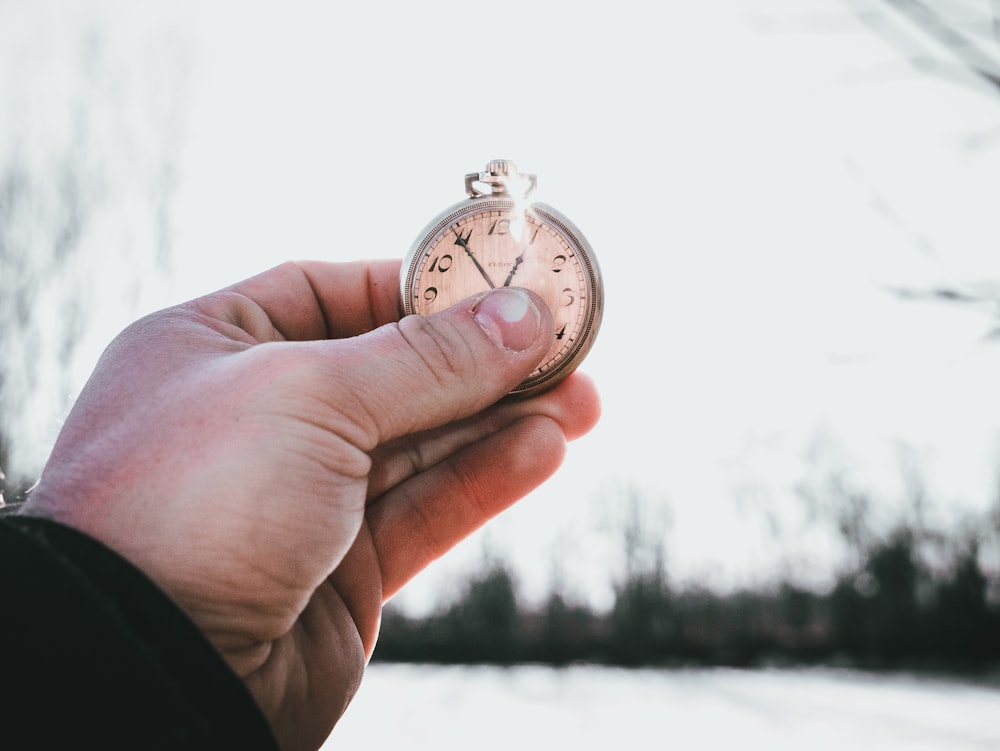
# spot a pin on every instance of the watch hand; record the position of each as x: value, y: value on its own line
x: 464, y: 243
x: 517, y: 262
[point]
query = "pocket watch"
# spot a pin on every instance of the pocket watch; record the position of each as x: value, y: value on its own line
x: 496, y: 238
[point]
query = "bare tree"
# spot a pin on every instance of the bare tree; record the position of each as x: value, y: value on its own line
x: 959, y: 41
x: 73, y: 237
x: 955, y: 39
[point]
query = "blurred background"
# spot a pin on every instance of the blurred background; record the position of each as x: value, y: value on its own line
x: 786, y: 528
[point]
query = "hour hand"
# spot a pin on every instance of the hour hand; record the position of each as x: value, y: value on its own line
x: 463, y: 242
x: 513, y: 270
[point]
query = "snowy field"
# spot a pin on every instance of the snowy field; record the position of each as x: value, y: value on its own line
x: 445, y: 708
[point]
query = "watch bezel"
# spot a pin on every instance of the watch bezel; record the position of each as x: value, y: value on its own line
x: 581, y: 247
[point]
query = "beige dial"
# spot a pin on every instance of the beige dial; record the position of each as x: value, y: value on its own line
x: 491, y: 242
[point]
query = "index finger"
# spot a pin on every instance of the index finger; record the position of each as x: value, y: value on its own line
x: 308, y: 300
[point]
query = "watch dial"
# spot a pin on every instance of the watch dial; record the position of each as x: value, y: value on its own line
x: 499, y: 246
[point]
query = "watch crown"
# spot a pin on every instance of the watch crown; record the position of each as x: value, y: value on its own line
x: 501, y: 167
x: 500, y: 178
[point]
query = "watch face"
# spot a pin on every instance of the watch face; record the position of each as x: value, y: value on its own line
x: 491, y: 243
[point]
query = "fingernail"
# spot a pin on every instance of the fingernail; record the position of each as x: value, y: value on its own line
x: 509, y: 317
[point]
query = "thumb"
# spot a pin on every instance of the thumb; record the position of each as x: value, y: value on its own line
x: 426, y: 371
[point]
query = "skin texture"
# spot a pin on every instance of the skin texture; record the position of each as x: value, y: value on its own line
x: 283, y: 455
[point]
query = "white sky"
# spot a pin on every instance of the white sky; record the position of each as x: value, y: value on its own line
x: 750, y: 182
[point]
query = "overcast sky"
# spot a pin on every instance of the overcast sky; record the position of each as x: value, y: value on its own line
x: 755, y: 177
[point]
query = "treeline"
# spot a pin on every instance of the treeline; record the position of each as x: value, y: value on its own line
x: 911, y: 600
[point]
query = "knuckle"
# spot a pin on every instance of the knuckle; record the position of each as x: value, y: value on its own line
x: 440, y: 346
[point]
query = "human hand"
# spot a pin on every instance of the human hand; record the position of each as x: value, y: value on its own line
x: 282, y: 456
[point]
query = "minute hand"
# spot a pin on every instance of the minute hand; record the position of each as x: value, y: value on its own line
x: 464, y: 243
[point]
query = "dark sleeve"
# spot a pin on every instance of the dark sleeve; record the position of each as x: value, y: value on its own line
x: 94, y: 655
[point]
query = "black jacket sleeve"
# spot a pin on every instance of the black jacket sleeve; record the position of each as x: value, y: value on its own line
x: 95, y: 655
